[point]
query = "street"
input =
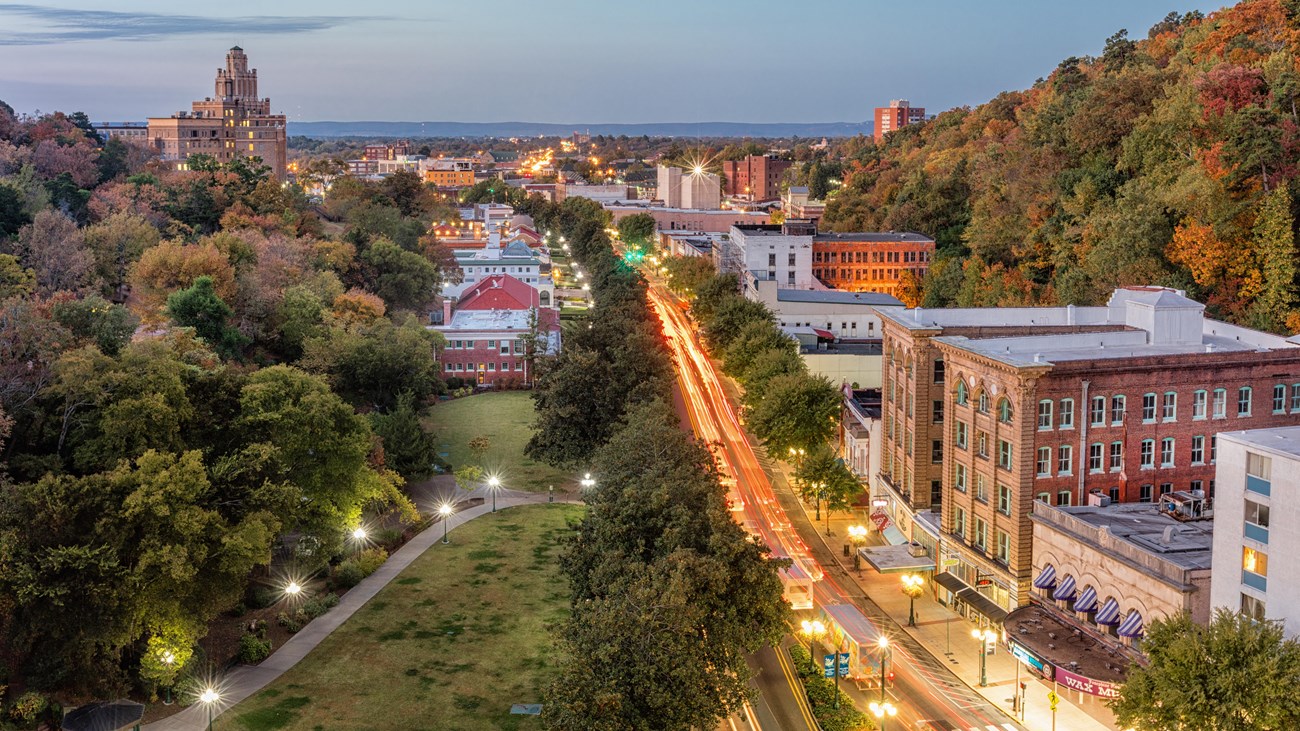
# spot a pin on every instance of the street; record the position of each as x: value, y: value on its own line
x: 923, y: 688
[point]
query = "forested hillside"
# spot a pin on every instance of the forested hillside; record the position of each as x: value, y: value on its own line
x: 1168, y: 160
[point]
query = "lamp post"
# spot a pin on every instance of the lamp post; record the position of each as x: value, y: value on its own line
x: 445, y: 510
x: 985, y: 637
x: 292, y: 589
x: 812, y: 630
x: 494, y: 484
x: 586, y: 481
x: 883, y: 644
x: 209, y: 698
x: 912, y: 588
x: 359, y: 534
x: 882, y: 711
x: 858, y: 537
x: 168, y: 659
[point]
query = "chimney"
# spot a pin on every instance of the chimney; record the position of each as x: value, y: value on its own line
x: 446, y: 310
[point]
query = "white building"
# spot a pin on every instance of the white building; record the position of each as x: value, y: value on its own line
x: 669, y: 186
x: 1258, y: 475
x: 515, y: 258
x: 844, y: 315
x: 692, y: 189
x: 782, y: 254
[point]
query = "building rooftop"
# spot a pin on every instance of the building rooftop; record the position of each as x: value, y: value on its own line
x: 1283, y: 440
x: 488, y: 320
x: 874, y: 236
x: 499, y: 292
x: 838, y: 297
x: 1141, y: 527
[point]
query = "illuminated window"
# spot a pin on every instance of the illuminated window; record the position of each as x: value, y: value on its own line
x: 1254, y: 561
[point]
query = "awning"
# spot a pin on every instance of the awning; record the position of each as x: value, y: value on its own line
x: 895, y: 559
x: 1047, y: 578
x: 983, y: 605
x: 894, y: 535
x: 824, y: 334
x: 1109, y: 613
x: 1132, y: 625
x: 1087, y: 601
x: 950, y: 582
x: 1065, y: 592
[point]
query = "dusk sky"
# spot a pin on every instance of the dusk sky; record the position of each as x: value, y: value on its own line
x: 565, y: 61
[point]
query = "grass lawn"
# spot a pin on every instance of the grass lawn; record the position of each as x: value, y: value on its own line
x: 450, y: 644
x: 505, y: 418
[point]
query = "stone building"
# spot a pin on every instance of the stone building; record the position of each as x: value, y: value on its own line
x: 233, y: 123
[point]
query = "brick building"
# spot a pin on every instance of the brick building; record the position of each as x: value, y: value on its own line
x: 757, y: 177
x: 870, y: 262
x: 988, y: 410
x: 487, y: 331
x: 234, y: 123
x: 897, y: 115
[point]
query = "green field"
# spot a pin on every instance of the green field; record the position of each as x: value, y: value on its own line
x: 450, y: 644
x: 505, y: 418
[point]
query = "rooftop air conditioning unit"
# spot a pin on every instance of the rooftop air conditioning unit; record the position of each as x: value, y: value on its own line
x: 1098, y: 500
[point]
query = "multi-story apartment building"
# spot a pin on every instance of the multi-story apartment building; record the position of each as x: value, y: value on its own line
x: 897, y: 115
x: 987, y: 410
x: 781, y: 254
x: 689, y: 189
x: 1258, y: 478
x: 757, y: 177
x: 234, y: 123
x: 870, y: 262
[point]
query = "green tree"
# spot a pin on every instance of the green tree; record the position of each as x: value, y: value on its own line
x: 710, y: 295
x: 96, y: 320
x: 1237, y: 674
x: 13, y: 211
x: 637, y: 229
x: 1274, y: 239
x: 686, y: 274
x: 405, y: 280
x: 731, y: 318
x: 15, y: 281
x: 797, y: 411
x: 823, y: 477
x: 199, y: 307
x: 754, y: 339
x: 373, y: 364
x: 408, y: 448
x: 767, y: 365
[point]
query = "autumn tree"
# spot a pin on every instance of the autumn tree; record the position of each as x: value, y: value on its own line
x: 55, y: 250
x: 172, y: 265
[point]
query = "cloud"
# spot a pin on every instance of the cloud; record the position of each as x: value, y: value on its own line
x: 62, y: 25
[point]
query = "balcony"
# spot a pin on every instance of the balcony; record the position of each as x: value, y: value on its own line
x: 1253, y: 580
x: 1258, y: 485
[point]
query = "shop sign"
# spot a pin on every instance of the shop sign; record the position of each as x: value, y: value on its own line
x: 1086, y: 685
x: 1030, y: 659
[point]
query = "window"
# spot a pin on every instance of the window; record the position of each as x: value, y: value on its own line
x: 936, y: 413
x: 1166, y: 488
x: 1198, y: 405
x: 961, y: 437
x: 1148, y: 408
x: 959, y: 478
x: 936, y: 492
x: 938, y: 371
x: 1044, y: 497
x: 1114, y: 494
x: 936, y: 451
x: 1044, y: 468
x: 1004, y: 454
x: 1004, y: 500
x: 984, y: 402
x: 1198, y: 449
x: 1116, y: 410
x: 1116, y: 456
x: 1064, y: 458
x: 1279, y: 398
x: 1167, y: 452
x: 982, y: 443
x: 1252, y: 608
x: 449, y: 367
x: 492, y: 367
x: 1214, y: 448
x: 1144, y: 495
x: 1254, y: 561
x: 1169, y: 406
x: 1220, y: 403
x: 1063, y: 497
x: 981, y: 534
x: 1148, y: 454
x: 1257, y: 465
x: 961, y: 394
x: 1256, y: 513
x: 1295, y: 397
x: 981, y: 488
x: 1045, y: 414
x: 1005, y: 413
x: 1098, y: 415
x: 1067, y: 413
x: 959, y: 522
x: 1095, y: 456
x: 1243, y: 401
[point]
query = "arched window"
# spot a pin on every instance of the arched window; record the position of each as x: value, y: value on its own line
x: 1004, y: 411
x: 962, y: 395
x: 546, y: 298
x: 984, y: 402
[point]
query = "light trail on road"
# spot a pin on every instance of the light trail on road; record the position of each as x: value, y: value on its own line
x: 923, y: 692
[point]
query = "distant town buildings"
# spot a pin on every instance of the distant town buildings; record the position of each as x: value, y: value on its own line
x: 233, y: 123
x: 690, y: 189
x: 682, y: 219
x: 135, y: 132
x: 515, y: 258
x: 897, y: 115
x: 757, y: 177
x: 781, y: 254
x: 798, y: 204
x: 609, y: 193
x: 870, y: 262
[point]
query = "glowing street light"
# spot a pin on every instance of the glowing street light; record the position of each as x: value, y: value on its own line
x: 858, y: 537
x: 168, y: 659
x: 292, y: 589
x: 586, y: 481
x: 912, y: 588
x: 359, y: 534
x: 445, y: 510
x: 883, y: 644
x: 494, y: 484
x: 986, y: 638
x: 209, y: 698
x: 812, y: 630
x: 882, y: 711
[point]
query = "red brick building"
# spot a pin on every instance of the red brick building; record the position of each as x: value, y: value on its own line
x: 870, y: 262
x: 897, y: 115
x: 488, y: 328
x: 989, y: 410
x: 757, y: 177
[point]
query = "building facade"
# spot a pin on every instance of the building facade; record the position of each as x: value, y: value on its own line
x: 781, y: 254
x: 681, y: 219
x: 690, y: 189
x: 234, y: 123
x: 490, y: 329
x: 897, y: 115
x: 870, y: 262
x: 134, y: 132
x: 798, y: 203
x: 757, y: 177
x: 994, y: 409
x: 1258, y: 477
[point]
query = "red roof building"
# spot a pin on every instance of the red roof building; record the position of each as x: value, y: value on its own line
x: 488, y: 329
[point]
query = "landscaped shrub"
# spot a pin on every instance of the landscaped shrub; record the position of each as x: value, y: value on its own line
x: 253, y: 649
x: 389, y: 538
x: 316, y: 606
x: 262, y: 597
x: 347, y: 574
x: 27, y: 709
x: 821, y: 696
x: 371, y: 559
x: 290, y: 622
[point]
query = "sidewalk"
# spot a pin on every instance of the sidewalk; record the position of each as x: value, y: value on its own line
x: 947, y: 635
x: 245, y: 680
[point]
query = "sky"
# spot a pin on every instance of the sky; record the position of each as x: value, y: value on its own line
x: 562, y: 61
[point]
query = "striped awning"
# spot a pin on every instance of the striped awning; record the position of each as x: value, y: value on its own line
x: 1065, y: 592
x: 1087, y: 601
x: 1046, y: 579
x: 1132, y: 625
x: 1109, y: 613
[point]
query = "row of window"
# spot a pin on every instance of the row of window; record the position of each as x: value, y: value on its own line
x: 1100, y: 458
x: 979, y: 535
x: 503, y: 270
x: 961, y: 438
x: 961, y: 483
x: 1163, y: 407
x: 501, y: 346
x: 982, y: 401
x: 488, y: 367
x: 870, y: 257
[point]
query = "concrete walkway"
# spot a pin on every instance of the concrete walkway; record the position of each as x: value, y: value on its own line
x: 246, y: 680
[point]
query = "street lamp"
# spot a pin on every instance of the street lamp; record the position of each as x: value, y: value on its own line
x: 882, y: 711
x: 168, y: 659
x: 985, y: 637
x: 586, y: 481
x: 812, y: 630
x: 883, y: 644
x: 858, y: 537
x: 209, y: 698
x: 494, y: 484
x: 445, y: 510
x: 359, y: 534
x: 292, y: 589
x: 912, y: 588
